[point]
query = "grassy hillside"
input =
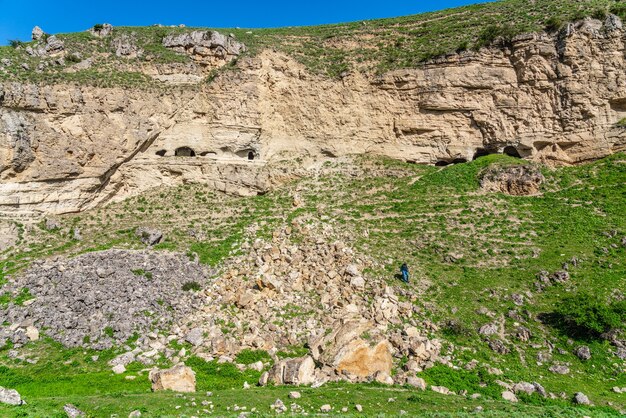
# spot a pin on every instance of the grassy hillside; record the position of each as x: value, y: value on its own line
x: 374, y: 46
x: 470, y: 253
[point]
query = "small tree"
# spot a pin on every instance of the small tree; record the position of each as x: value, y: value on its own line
x: 15, y: 43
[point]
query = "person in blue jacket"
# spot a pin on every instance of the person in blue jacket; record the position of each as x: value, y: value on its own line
x: 405, y: 273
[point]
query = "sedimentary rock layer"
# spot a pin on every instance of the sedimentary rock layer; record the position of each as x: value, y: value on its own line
x: 556, y: 99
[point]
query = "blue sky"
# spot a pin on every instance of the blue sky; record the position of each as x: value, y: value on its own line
x: 17, y: 17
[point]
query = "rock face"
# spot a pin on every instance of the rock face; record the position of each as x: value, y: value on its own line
x: 554, y: 99
x: 178, y: 379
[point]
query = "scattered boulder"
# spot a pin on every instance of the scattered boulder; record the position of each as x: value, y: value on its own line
x: 37, y: 33
x: 326, y: 408
x: 507, y: 395
x: 583, y: 352
x: 195, y: 337
x: 294, y: 395
x: 123, y: 359
x: 296, y: 371
x: 524, y: 387
x: 498, y: 346
x: 32, y: 333
x: 348, y: 354
x: 72, y: 411
x: 149, y: 236
x: 119, y: 369
x: 416, y: 382
x: 559, y: 369
x: 488, y: 329
x: 581, y: 399
x: 441, y: 389
x: 178, y: 379
x: 135, y: 414
x: 52, y: 224
x: 278, y: 406
x: 10, y: 397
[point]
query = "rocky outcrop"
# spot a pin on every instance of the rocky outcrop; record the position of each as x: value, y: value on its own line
x: 549, y: 98
x: 178, y: 379
x: 519, y: 180
x: 206, y: 47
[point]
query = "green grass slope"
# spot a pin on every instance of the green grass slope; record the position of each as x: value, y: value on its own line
x: 469, y: 252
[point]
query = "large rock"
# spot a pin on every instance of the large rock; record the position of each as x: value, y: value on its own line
x: 581, y: 399
x: 37, y: 33
x: 178, y: 379
x: 583, y: 352
x: 296, y: 371
x: 72, y: 411
x: 10, y: 397
x: 345, y: 351
x: 207, y: 47
x: 149, y: 236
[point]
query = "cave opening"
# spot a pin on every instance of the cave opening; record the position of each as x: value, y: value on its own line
x: 480, y: 152
x: 161, y: 153
x: 250, y: 155
x: 511, y: 152
x: 441, y: 163
x: 184, y: 152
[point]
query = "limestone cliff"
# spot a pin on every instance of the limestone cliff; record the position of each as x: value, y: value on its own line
x: 557, y: 99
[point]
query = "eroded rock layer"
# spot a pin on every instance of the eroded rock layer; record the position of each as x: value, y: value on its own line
x: 557, y: 99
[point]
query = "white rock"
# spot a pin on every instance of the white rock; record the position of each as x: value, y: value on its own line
x: 119, y: 369
x: 507, y: 395
x: 10, y: 397
x: 294, y: 395
x: 32, y: 333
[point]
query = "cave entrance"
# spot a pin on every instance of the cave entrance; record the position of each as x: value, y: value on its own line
x: 161, y: 153
x: 184, y: 152
x: 511, y: 152
x: 250, y: 155
x: 480, y: 152
x: 441, y: 163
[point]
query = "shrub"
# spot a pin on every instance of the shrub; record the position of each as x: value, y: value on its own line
x: 98, y: 27
x: 72, y: 58
x: 463, y: 46
x: 599, y: 14
x: 619, y: 10
x: 493, y: 32
x: 622, y: 123
x: 589, y: 316
x: 554, y: 24
x: 195, y: 286
x: 15, y: 43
